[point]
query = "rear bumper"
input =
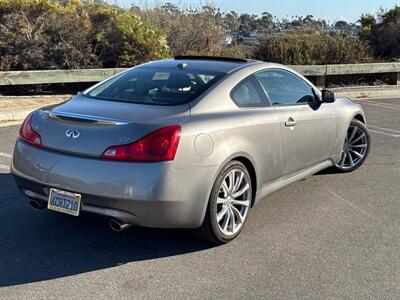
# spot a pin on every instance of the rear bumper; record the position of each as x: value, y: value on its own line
x: 146, y: 194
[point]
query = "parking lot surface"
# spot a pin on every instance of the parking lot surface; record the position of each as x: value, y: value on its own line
x: 331, y: 235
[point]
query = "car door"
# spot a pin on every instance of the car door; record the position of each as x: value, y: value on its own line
x: 261, y: 127
x: 308, y: 126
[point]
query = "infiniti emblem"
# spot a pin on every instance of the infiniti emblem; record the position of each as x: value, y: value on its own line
x: 72, y: 133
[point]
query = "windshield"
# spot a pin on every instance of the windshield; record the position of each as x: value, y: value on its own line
x: 156, y: 86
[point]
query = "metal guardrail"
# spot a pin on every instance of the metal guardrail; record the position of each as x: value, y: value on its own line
x: 321, y: 72
x: 56, y: 76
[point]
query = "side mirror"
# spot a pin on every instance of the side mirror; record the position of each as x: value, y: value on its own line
x: 328, y: 96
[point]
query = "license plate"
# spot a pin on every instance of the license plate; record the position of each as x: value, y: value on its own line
x: 64, y: 202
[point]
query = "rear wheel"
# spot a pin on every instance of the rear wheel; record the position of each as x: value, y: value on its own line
x: 356, y: 147
x: 229, y: 204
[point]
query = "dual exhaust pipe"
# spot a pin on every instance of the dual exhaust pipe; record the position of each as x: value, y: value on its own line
x: 117, y: 225
x: 114, y: 224
x: 36, y: 204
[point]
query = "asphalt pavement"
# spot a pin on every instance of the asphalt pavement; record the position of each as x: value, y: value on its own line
x: 329, y: 236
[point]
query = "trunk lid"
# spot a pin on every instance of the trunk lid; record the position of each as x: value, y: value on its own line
x: 87, y: 126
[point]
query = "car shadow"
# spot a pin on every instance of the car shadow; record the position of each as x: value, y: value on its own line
x: 43, y: 245
x: 328, y: 171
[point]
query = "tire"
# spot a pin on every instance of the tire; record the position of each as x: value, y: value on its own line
x: 356, y: 152
x: 226, y: 197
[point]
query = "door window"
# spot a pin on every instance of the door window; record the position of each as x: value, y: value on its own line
x: 285, y: 88
x: 248, y: 93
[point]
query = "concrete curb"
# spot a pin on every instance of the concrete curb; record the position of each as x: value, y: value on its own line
x: 14, y: 116
x: 15, y: 109
x: 35, y: 97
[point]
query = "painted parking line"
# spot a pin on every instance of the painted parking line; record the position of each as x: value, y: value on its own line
x: 377, y: 104
x: 385, y: 133
x: 5, y: 155
x: 382, y: 103
x: 4, y: 167
x: 385, y: 129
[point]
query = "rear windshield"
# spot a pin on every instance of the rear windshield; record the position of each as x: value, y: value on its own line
x: 156, y: 86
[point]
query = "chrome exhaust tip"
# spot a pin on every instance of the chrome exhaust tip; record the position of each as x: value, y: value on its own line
x: 36, y: 205
x: 117, y: 225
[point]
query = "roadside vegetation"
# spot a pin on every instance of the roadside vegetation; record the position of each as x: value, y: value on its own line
x: 70, y: 34
x: 47, y: 34
x: 306, y: 48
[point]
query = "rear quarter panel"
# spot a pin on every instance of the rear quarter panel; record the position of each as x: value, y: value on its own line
x: 252, y: 133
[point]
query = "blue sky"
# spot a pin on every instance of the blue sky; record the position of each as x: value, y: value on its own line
x: 331, y: 10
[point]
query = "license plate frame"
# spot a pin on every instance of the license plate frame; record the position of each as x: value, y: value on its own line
x: 67, y: 202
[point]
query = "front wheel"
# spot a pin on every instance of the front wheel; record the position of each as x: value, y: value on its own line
x: 356, y: 147
x: 229, y: 204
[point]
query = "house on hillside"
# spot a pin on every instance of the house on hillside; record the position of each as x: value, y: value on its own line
x: 227, y: 40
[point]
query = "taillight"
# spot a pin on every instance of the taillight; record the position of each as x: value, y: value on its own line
x: 160, y: 145
x: 29, y: 135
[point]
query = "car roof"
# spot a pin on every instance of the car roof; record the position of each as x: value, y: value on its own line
x: 214, y: 64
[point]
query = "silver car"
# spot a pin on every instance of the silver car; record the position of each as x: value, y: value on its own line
x: 190, y: 142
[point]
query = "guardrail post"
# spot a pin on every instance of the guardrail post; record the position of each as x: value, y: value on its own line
x: 398, y: 78
x: 321, y: 81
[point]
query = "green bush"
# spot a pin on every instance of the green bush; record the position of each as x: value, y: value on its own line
x: 312, y: 49
x: 47, y: 34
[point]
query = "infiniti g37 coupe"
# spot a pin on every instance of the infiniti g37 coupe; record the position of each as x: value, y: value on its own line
x: 190, y: 142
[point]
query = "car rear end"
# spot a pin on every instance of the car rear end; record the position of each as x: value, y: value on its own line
x: 112, y: 151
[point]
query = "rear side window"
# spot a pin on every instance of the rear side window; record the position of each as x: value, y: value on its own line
x: 156, y: 86
x: 285, y: 88
x: 248, y: 94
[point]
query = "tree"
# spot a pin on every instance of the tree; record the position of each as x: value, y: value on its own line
x: 308, y: 19
x: 383, y: 34
x: 248, y: 23
x: 297, y: 22
x: 231, y: 21
x: 367, y: 22
x: 267, y: 21
x: 341, y: 25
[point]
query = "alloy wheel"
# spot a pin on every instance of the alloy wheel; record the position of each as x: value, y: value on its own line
x: 233, y: 203
x: 355, y: 148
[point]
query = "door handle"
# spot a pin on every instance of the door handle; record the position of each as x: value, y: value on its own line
x: 290, y: 123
